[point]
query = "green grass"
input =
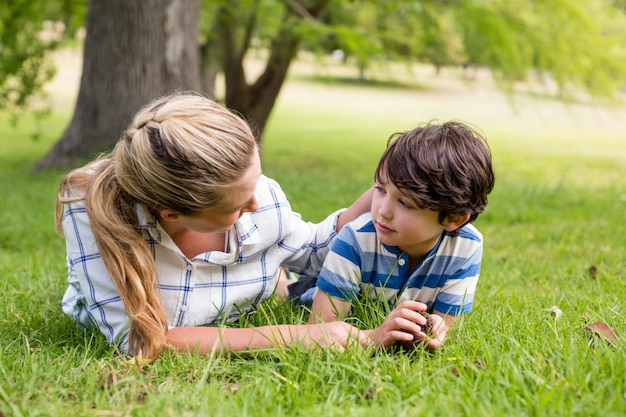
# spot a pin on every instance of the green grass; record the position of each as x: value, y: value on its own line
x: 556, y: 211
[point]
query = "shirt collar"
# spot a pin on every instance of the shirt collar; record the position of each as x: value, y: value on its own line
x: 247, y: 230
x: 397, y: 252
x: 148, y: 222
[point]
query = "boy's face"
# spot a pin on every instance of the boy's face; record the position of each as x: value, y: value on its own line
x: 400, y: 222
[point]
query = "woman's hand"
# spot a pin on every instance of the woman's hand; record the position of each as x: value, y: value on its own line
x: 336, y: 334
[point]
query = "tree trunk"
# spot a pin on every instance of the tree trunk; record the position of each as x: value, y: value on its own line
x: 134, y: 51
x: 255, y: 101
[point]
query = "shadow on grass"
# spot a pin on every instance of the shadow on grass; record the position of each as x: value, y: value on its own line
x: 360, y: 82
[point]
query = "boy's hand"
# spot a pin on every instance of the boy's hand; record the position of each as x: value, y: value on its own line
x: 439, y: 328
x: 403, y: 324
x: 406, y: 324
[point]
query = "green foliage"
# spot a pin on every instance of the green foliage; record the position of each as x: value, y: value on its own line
x: 566, y: 45
x: 577, y: 46
x: 247, y: 14
x: 441, y: 44
x: 29, y: 31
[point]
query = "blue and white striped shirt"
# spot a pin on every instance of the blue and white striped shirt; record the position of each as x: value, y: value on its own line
x: 208, y: 289
x: 445, y: 280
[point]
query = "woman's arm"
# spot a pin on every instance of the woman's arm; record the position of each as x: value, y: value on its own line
x: 361, y: 205
x: 208, y: 340
x: 91, y: 298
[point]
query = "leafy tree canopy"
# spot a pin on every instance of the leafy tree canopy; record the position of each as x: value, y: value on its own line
x: 29, y: 29
x: 574, y: 45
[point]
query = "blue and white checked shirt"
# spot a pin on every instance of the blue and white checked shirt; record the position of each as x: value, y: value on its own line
x: 445, y: 280
x: 208, y: 289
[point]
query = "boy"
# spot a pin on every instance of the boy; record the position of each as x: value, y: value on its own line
x: 416, y: 248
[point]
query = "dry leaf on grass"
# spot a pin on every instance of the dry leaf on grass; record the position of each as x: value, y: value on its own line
x: 604, y: 332
x: 556, y: 312
x: 478, y: 363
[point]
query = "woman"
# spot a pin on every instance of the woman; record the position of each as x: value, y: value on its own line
x: 176, y: 228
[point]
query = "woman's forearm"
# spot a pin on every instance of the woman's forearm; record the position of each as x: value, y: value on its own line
x: 208, y: 340
x: 361, y: 205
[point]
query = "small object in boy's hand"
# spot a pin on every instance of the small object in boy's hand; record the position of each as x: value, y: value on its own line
x: 428, y: 327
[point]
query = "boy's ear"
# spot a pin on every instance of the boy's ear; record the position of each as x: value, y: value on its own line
x: 455, y: 221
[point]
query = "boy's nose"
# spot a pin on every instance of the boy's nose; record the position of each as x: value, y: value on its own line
x: 384, y: 209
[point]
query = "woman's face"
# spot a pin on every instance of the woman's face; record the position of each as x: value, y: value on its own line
x: 238, y: 200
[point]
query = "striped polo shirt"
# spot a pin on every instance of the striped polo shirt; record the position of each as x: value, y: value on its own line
x: 445, y: 280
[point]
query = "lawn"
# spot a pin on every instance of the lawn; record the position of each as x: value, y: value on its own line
x: 553, y: 237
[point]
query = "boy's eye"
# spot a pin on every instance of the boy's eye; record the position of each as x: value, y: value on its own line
x: 405, y: 204
x: 379, y: 188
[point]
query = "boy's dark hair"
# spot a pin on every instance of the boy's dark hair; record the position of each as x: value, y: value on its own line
x: 443, y: 167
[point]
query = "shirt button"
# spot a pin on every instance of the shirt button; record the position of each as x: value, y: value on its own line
x: 184, y: 308
x: 401, y: 262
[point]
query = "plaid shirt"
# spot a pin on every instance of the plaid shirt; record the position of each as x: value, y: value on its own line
x: 211, y: 288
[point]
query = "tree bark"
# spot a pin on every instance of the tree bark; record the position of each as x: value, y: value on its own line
x: 134, y: 51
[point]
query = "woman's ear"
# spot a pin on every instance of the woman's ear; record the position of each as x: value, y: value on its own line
x: 168, y: 215
x: 455, y: 221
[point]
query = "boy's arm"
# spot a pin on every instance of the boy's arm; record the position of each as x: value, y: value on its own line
x: 337, y: 284
x: 448, y: 318
x: 326, y: 308
x: 457, y: 294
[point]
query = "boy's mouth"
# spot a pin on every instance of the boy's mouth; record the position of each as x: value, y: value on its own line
x: 382, y: 228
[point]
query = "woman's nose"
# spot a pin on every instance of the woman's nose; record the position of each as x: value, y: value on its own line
x: 253, y: 205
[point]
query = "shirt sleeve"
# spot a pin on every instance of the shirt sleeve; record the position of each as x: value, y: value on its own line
x: 341, y: 273
x: 456, y: 296
x: 91, y: 298
x: 305, y: 244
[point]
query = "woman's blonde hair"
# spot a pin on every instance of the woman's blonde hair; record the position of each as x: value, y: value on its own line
x: 181, y: 152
